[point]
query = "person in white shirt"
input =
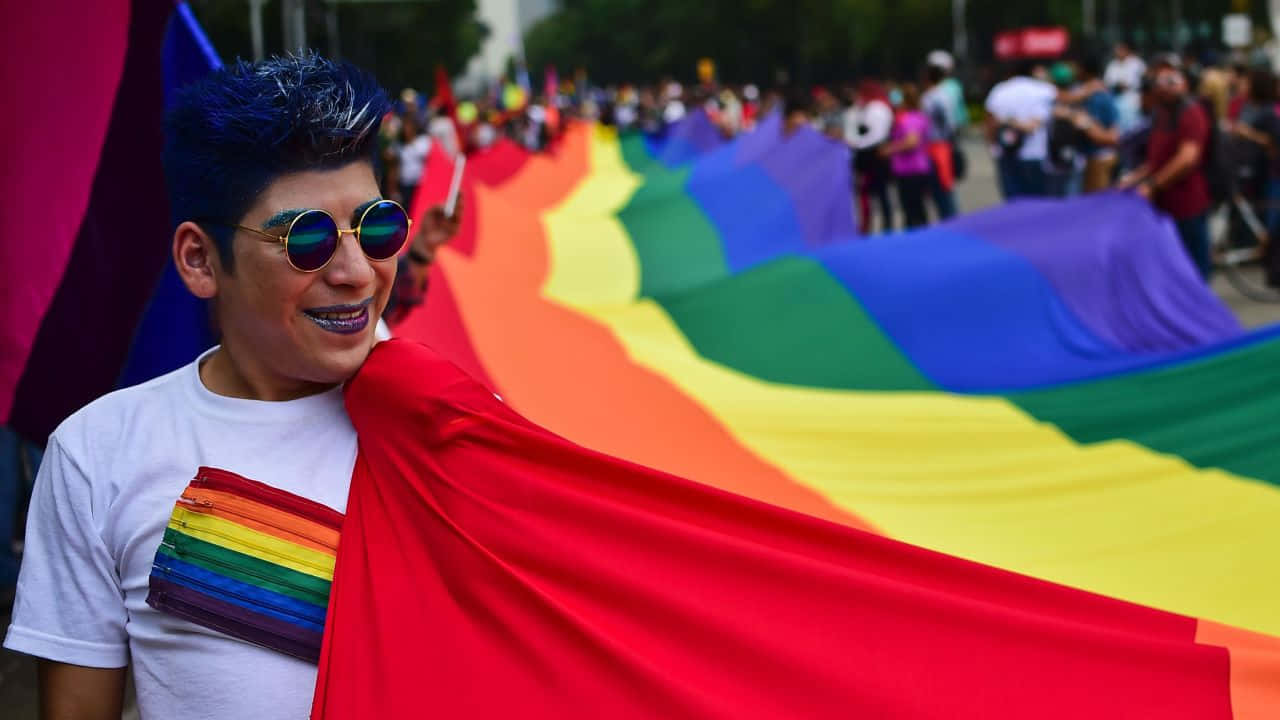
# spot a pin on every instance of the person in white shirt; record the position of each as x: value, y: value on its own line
x: 1018, y: 112
x: 937, y: 107
x: 412, y: 153
x: 867, y: 125
x: 1124, y: 72
x: 1123, y: 77
x: 942, y: 60
x: 265, y: 196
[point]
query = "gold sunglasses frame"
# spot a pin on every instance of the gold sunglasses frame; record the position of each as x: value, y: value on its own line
x: 284, y: 239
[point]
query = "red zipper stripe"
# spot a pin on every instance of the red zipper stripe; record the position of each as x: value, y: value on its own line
x: 227, y: 481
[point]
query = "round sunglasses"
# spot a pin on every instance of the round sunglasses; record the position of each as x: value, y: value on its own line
x: 312, y: 237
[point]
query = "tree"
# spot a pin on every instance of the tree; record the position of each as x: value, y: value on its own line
x: 400, y: 42
x: 819, y: 41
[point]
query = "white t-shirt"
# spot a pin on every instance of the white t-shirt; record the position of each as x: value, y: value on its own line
x: 673, y: 112
x: 1127, y: 72
x: 413, y: 156
x: 104, y: 494
x: 868, y: 125
x: 937, y: 107
x: 1025, y: 100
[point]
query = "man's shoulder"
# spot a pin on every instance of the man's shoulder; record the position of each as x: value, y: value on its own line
x: 1041, y: 89
x: 1101, y: 103
x: 997, y: 93
x: 1192, y: 117
x: 111, y: 414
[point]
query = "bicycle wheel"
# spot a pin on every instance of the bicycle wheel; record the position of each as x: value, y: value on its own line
x: 1240, y: 252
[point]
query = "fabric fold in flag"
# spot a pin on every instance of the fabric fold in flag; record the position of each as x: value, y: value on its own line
x: 592, y: 302
x: 502, y: 571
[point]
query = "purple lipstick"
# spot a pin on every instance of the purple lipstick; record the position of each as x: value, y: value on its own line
x: 341, y: 319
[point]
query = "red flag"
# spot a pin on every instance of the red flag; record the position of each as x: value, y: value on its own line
x: 437, y: 173
x: 444, y: 92
x: 490, y: 569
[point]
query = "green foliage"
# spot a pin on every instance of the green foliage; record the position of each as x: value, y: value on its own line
x: 812, y: 41
x: 401, y: 43
x: 757, y: 40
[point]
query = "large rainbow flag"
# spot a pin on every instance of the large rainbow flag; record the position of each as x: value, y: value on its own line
x: 491, y: 569
x: 1044, y: 387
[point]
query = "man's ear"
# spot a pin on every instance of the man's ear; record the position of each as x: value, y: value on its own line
x: 195, y: 254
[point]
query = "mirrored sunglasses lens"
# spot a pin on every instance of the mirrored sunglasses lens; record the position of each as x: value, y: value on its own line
x: 312, y: 240
x: 383, y: 230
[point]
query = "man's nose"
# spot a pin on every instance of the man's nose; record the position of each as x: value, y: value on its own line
x: 350, y: 266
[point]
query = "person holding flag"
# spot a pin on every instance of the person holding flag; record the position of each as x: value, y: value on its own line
x: 278, y: 222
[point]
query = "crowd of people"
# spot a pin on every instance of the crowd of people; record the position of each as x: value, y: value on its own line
x: 901, y: 135
x: 1188, y: 134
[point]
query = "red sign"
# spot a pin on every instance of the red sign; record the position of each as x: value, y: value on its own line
x: 1032, y: 43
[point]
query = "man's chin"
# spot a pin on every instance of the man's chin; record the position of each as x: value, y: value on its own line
x: 336, y: 366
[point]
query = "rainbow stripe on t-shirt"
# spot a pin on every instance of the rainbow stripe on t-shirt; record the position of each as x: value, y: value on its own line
x: 248, y: 560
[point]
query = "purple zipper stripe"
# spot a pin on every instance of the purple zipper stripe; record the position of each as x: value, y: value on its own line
x: 234, y: 620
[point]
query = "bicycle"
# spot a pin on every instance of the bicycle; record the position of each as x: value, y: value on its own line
x: 1239, y: 249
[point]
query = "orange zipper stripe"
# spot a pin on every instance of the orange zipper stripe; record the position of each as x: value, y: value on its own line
x: 263, y: 518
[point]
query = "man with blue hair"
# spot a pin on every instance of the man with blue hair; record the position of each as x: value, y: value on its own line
x: 214, y: 592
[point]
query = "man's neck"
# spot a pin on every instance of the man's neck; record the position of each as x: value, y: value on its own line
x: 226, y: 373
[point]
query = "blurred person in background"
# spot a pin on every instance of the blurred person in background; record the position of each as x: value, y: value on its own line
x: 938, y: 108
x: 895, y: 96
x: 535, y: 130
x: 750, y: 106
x: 1123, y: 77
x: 1215, y: 86
x: 833, y: 128
x: 1018, y: 110
x: 1173, y: 176
x: 867, y: 124
x: 485, y: 132
x: 731, y: 113
x: 19, y: 461
x: 650, y: 111
x: 673, y: 109
x: 1131, y: 150
x: 908, y: 158
x: 1255, y: 152
x: 1091, y: 109
x: 942, y: 60
x: 411, y: 151
x: 797, y: 111
x: 829, y: 115
x: 1239, y: 90
x: 1065, y: 157
x: 1255, y: 128
x: 626, y: 110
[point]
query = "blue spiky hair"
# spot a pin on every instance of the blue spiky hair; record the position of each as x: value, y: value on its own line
x: 230, y: 134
